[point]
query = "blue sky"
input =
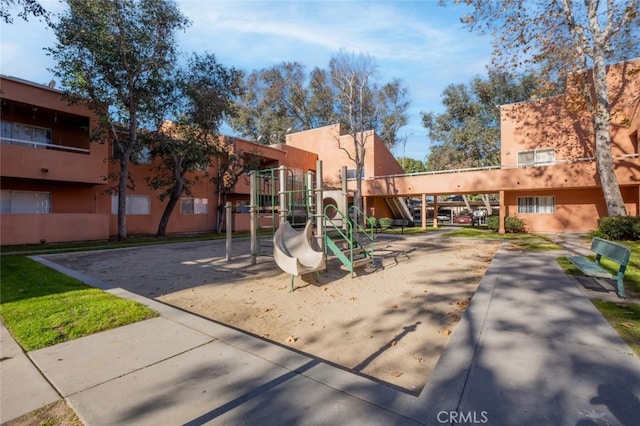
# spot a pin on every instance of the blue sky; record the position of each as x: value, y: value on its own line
x: 419, y: 42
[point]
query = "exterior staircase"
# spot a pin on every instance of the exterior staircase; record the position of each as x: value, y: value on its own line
x: 399, y: 208
x: 348, y: 241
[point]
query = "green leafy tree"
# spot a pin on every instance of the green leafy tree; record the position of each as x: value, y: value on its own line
x: 411, y: 165
x: 394, y: 99
x: 118, y: 55
x: 231, y: 164
x: 467, y: 133
x: 26, y: 8
x: 321, y: 104
x: 183, y: 151
x: 282, y: 99
x: 274, y: 103
x: 562, y: 39
x: 203, y: 98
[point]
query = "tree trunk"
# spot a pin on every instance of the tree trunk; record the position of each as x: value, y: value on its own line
x: 602, y: 134
x: 176, y: 192
x: 219, y: 219
x: 122, y: 196
x: 166, y: 214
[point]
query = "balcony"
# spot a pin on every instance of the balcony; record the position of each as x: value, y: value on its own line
x: 37, y: 160
x: 43, y: 145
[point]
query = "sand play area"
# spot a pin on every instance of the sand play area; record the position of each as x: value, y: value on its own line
x: 390, y: 323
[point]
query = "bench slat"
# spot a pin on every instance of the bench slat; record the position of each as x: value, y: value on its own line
x: 588, y: 267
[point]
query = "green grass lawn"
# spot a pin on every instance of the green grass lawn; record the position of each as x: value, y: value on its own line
x: 533, y: 242
x: 42, y: 307
x: 625, y: 318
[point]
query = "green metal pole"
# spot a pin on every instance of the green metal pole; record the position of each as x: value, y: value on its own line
x: 253, y: 216
x: 319, y: 206
x: 229, y: 228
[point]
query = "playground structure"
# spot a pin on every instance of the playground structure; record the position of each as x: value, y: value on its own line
x: 281, y: 200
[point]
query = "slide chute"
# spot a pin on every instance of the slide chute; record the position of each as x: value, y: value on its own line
x: 293, y: 250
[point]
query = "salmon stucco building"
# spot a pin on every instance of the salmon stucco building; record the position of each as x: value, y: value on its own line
x: 55, y: 187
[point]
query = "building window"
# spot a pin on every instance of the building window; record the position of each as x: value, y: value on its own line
x: 194, y: 205
x: 544, y: 204
x: 19, y: 133
x: 136, y: 204
x: 538, y: 157
x: 352, y: 173
x: 25, y: 202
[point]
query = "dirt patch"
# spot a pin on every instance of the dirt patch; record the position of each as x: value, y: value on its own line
x: 390, y: 322
x: 56, y: 414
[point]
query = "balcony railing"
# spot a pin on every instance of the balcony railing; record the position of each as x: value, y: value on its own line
x: 41, y: 145
x: 504, y: 166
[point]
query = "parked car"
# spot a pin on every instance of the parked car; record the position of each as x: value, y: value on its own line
x: 464, y: 219
x: 444, y: 215
x: 480, y: 212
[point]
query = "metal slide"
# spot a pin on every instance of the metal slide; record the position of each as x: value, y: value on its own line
x: 293, y: 252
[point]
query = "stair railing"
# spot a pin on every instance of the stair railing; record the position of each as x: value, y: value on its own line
x: 368, y: 234
x: 345, y: 230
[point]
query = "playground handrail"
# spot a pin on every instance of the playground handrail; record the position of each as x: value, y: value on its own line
x: 337, y: 228
x: 359, y: 213
x: 346, y: 234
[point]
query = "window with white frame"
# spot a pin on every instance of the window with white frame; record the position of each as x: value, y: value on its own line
x: 537, y: 157
x: 194, y: 205
x: 136, y: 204
x: 352, y: 173
x: 540, y: 204
x: 11, y: 132
x: 25, y: 202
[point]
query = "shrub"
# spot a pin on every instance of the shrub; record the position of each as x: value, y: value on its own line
x: 385, y: 222
x: 493, y: 222
x: 620, y: 227
x: 371, y: 222
x: 514, y: 225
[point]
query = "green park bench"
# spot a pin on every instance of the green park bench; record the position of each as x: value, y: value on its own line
x: 392, y: 224
x: 616, y: 252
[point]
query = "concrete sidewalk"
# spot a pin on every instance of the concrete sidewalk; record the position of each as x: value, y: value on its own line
x: 530, y: 349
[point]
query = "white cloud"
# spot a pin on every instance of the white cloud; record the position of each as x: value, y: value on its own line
x: 422, y: 44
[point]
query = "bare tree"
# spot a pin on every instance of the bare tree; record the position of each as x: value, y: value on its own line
x: 357, y: 110
x: 562, y: 39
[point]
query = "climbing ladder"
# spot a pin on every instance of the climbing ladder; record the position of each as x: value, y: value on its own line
x: 269, y: 186
x: 350, y: 242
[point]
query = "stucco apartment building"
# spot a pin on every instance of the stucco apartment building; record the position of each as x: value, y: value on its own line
x: 548, y: 174
x: 54, y: 185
